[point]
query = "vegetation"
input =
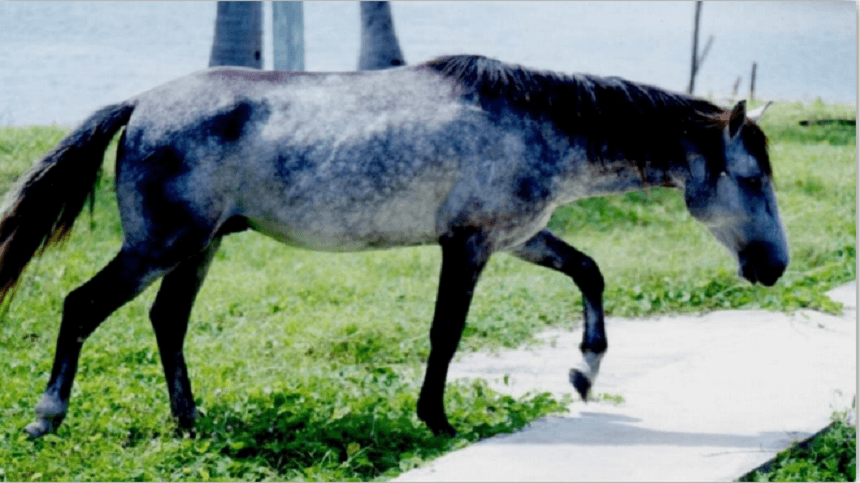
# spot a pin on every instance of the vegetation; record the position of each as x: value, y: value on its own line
x: 829, y: 456
x: 306, y: 365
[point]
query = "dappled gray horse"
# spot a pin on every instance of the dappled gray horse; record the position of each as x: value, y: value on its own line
x: 465, y: 151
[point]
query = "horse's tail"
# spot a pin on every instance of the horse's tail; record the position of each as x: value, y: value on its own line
x: 42, y: 206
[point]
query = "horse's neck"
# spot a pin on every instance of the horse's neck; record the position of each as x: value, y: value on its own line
x: 585, y: 178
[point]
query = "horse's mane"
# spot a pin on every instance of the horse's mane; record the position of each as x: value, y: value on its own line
x: 613, y: 118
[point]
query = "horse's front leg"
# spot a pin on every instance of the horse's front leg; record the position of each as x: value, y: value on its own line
x: 463, y: 257
x: 547, y: 250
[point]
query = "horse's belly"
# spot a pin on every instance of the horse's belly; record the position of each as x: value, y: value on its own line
x: 351, y: 226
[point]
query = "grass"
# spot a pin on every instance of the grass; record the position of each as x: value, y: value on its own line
x: 829, y: 456
x: 306, y: 365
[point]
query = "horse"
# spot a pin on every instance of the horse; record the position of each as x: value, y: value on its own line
x: 466, y: 152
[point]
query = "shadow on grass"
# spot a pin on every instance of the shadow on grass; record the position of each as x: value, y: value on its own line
x: 836, y: 132
x: 300, y: 443
x: 357, y: 427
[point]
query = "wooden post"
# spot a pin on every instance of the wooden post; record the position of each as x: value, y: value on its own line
x: 695, y: 67
x: 288, y: 37
x: 735, y: 88
x: 752, y: 83
x: 701, y: 59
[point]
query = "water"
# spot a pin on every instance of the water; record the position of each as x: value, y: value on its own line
x: 59, y: 61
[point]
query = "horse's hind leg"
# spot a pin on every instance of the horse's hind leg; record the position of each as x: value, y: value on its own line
x: 83, y: 310
x: 169, y: 316
x: 463, y: 258
x: 547, y: 250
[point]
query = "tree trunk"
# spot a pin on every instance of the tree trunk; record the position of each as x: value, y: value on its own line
x: 288, y: 36
x: 379, y: 46
x: 238, y: 35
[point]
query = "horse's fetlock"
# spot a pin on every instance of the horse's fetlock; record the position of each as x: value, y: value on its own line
x: 51, y: 406
x: 597, y: 345
x: 184, y: 410
x: 50, y: 413
x: 583, y: 376
x: 186, y: 421
x: 428, y: 412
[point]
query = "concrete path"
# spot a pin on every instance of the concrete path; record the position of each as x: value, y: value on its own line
x: 706, y: 398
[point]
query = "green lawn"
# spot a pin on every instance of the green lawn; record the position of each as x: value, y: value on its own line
x: 306, y: 365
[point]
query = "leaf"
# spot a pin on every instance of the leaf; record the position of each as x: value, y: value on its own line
x: 352, y: 449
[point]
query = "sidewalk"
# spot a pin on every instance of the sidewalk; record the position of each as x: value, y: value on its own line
x: 706, y: 398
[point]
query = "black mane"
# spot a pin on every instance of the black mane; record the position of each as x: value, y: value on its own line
x: 615, y: 119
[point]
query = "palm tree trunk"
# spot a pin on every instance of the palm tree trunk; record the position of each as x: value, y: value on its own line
x: 379, y: 46
x: 238, y: 35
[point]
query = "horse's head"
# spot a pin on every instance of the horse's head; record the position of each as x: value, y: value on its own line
x: 730, y: 190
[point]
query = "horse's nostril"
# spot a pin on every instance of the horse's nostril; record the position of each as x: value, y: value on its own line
x: 768, y: 278
x: 763, y: 263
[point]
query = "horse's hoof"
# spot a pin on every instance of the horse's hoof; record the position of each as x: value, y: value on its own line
x: 183, y: 431
x: 581, y: 383
x: 435, y: 419
x: 438, y: 425
x: 180, y: 432
x: 50, y: 413
x: 186, y: 423
x: 444, y: 429
x: 38, y: 428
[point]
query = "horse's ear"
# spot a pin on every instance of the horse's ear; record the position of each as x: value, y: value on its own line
x: 736, y: 120
x: 757, y: 114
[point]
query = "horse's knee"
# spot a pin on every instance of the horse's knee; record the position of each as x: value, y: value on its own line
x: 587, y: 276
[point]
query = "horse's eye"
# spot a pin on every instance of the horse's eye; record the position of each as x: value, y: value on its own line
x: 751, y: 182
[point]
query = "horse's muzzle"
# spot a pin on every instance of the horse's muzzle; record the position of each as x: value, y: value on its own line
x: 762, y: 263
